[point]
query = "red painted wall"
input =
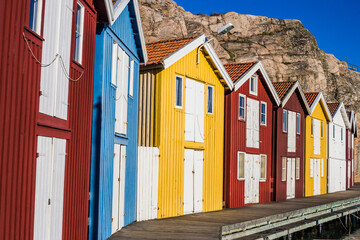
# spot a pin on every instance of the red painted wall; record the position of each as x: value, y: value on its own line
x: 235, y: 140
x: 21, y: 123
x: 349, y: 157
x: 280, y: 147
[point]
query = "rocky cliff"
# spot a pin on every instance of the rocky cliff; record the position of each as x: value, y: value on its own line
x: 287, y: 49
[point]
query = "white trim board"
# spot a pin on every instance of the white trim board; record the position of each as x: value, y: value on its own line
x: 320, y: 98
x: 295, y: 86
x: 245, y: 77
x: 344, y: 115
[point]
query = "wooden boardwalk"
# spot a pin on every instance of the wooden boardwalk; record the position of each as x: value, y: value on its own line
x: 213, y: 225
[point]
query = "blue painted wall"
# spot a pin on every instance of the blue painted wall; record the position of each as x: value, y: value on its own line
x: 103, y: 130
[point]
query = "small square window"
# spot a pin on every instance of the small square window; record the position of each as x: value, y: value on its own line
x: 242, y: 107
x: 263, y: 167
x: 263, y: 114
x: 298, y: 123
x: 285, y: 121
x: 35, y: 15
x: 254, y: 85
x: 241, y: 167
x: 283, y: 169
x: 210, y: 99
x: 79, y: 29
x: 178, y: 91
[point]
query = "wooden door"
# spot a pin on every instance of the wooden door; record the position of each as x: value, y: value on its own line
x: 118, y: 202
x: 349, y: 174
x: 252, y: 177
x: 256, y: 178
x: 290, y: 178
x: 198, y: 181
x: 317, y: 170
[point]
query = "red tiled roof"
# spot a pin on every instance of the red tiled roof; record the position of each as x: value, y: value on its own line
x: 282, y: 88
x: 159, y: 50
x: 332, y: 107
x: 310, y: 97
x: 237, y: 70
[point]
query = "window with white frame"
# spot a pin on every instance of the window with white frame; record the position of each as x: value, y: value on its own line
x: 333, y: 131
x: 241, y: 166
x: 283, y: 169
x: 178, y: 91
x: 210, y: 99
x: 242, y: 107
x: 131, y: 83
x: 263, y: 114
x: 262, y: 167
x: 79, y: 32
x: 35, y: 15
x: 297, y: 169
x: 312, y: 126
x: 342, y: 137
x: 254, y: 84
x: 285, y: 116
x: 298, y: 123
x: 322, y: 129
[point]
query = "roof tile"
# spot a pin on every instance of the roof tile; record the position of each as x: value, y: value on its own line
x: 237, y: 70
x: 310, y: 97
x: 283, y: 87
x: 332, y: 107
x: 157, y: 51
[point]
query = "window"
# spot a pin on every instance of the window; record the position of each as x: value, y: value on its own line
x: 79, y: 32
x: 242, y: 104
x: 263, y: 114
x: 253, y: 85
x: 297, y: 169
x: 241, y: 167
x: 312, y: 126
x: 322, y: 129
x: 298, y: 123
x: 342, y: 139
x: 283, y: 172
x: 131, y: 84
x: 210, y: 99
x: 35, y: 15
x: 178, y: 92
x: 333, y: 131
x: 284, y: 121
x: 311, y: 167
x: 322, y: 167
x: 262, y: 167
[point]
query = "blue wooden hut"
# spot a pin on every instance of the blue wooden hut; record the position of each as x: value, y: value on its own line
x: 120, y: 48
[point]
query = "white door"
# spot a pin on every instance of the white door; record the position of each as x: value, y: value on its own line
x: 342, y: 175
x: 290, y: 178
x: 118, y: 202
x: 193, y: 181
x: 252, y: 177
x: 349, y: 173
x: 292, y: 132
x: 252, y: 123
x: 49, y: 188
x: 317, y: 137
x: 317, y: 171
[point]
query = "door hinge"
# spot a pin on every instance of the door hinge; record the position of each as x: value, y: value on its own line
x: 118, y: 179
x: 40, y: 93
x: 49, y: 201
x: 37, y: 155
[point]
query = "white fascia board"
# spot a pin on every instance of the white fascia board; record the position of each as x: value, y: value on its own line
x: 295, y: 86
x: 141, y: 32
x: 258, y: 66
x: 320, y: 98
x: 214, y: 57
x: 109, y: 10
x: 118, y: 8
x: 343, y: 113
x: 182, y: 52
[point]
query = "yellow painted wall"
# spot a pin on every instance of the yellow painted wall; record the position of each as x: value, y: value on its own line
x: 169, y: 136
x: 309, y: 152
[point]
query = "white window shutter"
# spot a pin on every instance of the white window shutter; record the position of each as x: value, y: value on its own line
x: 62, y: 86
x: 249, y: 124
x: 199, y: 111
x: 58, y: 181
x: 256, y: 139
x: 190, y: 110
x: 118, y: 95
x: 114, y: 63
x: 124, y: 99
x: 42, y: 211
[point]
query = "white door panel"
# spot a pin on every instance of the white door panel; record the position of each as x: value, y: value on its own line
x: 256, y: 178
x: 190, y: 90
x: 252, y: 123
x: 292, y: 131
x: 290, y: 178
x: 198, y: 181
x: 317, y: 136
x: 252, y: 177
x: 317, y: 172
x: 199, y: 111
x: 116, y: 179
x: 188, y: 181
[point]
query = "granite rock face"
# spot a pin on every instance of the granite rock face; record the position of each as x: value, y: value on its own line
x: 287, y: 50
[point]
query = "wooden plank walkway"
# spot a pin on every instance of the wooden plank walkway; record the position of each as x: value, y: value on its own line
x: 211, y: 225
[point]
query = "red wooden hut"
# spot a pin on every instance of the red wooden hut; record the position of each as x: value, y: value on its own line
x: 288, y: 146
x: 46, y: 91
x: 248, y: 135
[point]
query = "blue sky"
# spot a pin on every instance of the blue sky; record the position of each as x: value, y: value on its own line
x: 334, y: 23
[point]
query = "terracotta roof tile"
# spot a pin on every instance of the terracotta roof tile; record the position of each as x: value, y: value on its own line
x: 282, y: 88
x: 332, y: 107
x: 237, y: 70
x: 157, y: 51
x: 310, y: 97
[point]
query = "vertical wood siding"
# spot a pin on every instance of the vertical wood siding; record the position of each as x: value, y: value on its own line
x: 103, y: 131
x: 318, y: 114
x: 280, y: 147
x: 235, y: 140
